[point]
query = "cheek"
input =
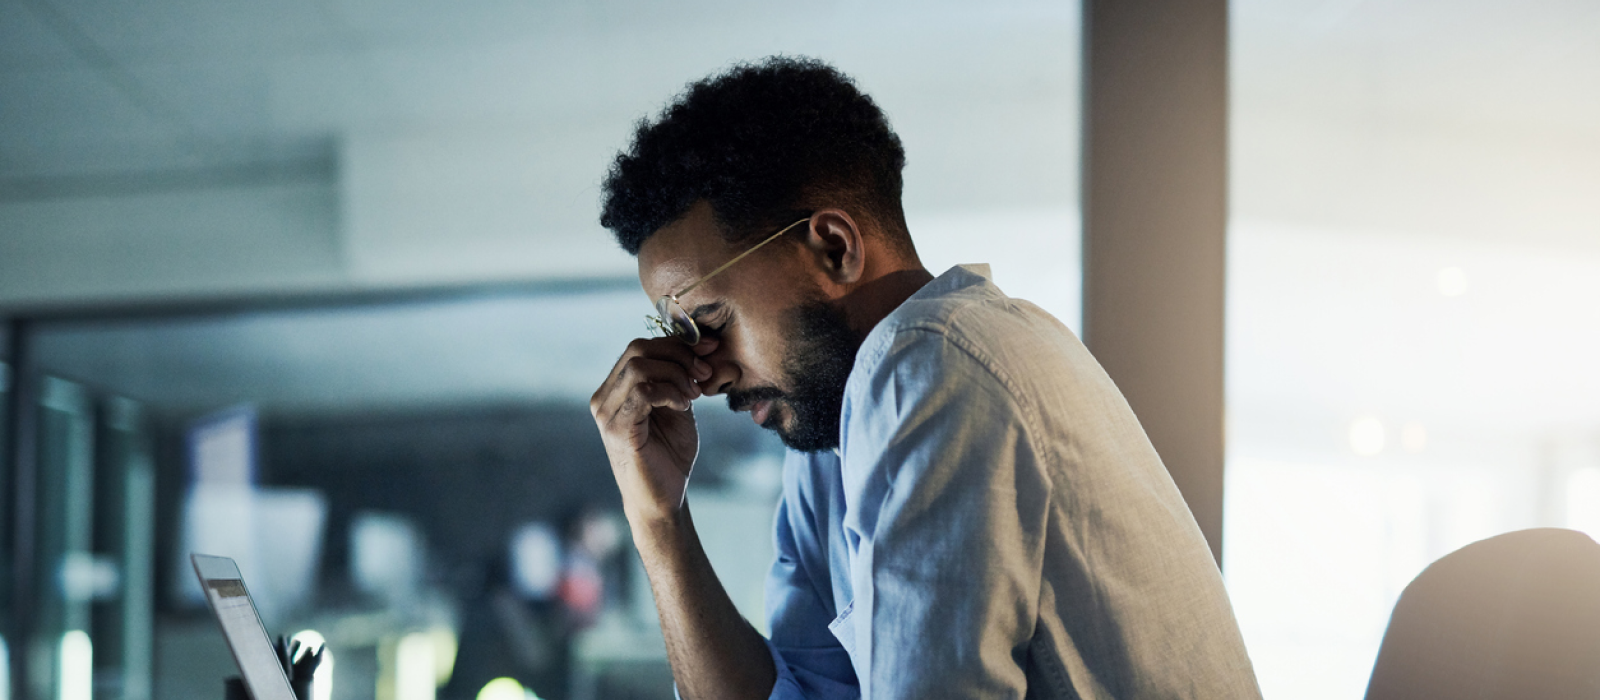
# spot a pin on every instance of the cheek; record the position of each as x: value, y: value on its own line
x: 760, y: 349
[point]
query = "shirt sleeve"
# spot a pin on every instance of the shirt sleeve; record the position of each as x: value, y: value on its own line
x: 810, y: 661
x: 946, y: 512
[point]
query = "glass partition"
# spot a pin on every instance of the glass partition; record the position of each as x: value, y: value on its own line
x: 67, y: 576
x: 7, y: 498
x: 122, y: 624
x: 1413, y: 270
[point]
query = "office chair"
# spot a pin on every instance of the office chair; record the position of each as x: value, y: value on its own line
x: 1512, y: 616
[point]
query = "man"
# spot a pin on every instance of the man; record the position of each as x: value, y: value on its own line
x: 969, y: 509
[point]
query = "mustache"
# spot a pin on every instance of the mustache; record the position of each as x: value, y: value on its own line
x: 743, y: 399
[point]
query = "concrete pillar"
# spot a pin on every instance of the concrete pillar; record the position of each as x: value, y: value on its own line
x: 1155, y: 147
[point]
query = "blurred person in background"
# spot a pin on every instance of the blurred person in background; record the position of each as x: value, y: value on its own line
x: 969, y: 507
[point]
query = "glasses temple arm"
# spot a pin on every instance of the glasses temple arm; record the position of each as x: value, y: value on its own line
x: 740, y: 256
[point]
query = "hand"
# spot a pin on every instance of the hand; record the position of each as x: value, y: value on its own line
x: 646, y: 422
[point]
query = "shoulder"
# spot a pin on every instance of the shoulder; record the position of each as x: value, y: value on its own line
x: 960, y: 327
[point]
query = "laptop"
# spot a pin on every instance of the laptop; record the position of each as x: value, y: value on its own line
x: 241, y: 625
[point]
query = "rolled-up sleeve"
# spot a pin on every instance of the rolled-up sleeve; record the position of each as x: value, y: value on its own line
x: 946, y: 507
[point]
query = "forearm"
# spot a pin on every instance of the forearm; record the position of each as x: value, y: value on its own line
x: 714, y: 651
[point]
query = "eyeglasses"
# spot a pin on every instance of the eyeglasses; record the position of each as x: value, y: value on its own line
x: 671, y: 319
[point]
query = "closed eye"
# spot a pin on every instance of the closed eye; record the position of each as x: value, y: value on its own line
x: 712, y: 329
x: 711, y: 318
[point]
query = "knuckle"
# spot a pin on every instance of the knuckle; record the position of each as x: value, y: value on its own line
x: 628, y: 367
x: 629, y: 405
x: 648, y: 391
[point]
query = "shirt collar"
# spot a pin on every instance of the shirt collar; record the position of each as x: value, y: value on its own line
x: 953, y: 279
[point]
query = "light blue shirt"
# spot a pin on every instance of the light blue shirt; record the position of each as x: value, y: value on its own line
x: 995, y: 524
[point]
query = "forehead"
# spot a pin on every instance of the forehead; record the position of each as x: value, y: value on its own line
x: 681, y: 252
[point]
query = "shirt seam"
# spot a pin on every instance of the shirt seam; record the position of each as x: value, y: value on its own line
x: 946, y: 332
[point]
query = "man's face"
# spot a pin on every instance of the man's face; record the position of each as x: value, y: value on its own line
x: 782, y: 349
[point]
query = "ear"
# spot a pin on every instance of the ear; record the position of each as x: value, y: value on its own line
x: 836, y: 245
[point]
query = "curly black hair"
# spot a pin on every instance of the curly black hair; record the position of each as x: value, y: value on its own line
x: 764, y: 143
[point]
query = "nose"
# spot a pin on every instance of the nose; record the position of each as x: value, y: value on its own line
x: 724, y: 372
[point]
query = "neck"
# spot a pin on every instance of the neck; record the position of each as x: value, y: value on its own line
x: 871, y: 301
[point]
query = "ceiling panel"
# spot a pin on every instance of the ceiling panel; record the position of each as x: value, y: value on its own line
x: 210, y: 31
x: 215, y: 101
x: 436, y: 23
x: 26, y: 43
x: 236, y: 77
x: 63, y: 107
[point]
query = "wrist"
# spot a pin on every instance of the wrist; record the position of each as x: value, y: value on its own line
x: 656, y: 530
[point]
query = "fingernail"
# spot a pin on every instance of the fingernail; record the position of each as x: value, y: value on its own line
x: 701, y: 369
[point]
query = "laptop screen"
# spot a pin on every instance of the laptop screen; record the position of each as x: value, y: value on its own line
x: 241, y: 626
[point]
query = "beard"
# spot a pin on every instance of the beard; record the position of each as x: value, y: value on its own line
x: 817, y: 365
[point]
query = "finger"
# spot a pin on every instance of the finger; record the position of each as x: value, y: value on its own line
x: 634, y: 393
x: 689, y: 356
x: 661, y: 349
x: 644, y: 398
x: 706, y: 346
x: 604, y: 400
x: 638, y: 370
x: 701, y: 370
x: 669, y: 349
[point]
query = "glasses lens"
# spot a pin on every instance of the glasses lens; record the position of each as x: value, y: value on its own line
x: 677, y: 320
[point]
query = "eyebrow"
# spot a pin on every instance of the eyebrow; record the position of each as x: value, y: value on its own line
x: 704, y: 309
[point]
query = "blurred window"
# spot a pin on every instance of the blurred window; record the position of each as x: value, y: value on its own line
x: 1414, y: 271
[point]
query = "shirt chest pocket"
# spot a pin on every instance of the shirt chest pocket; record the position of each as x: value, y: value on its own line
x: 844, y: 629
